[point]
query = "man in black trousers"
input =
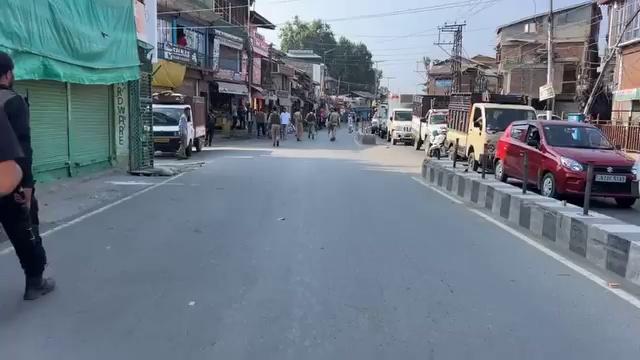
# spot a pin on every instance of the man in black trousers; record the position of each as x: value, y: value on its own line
x: 19, y: 210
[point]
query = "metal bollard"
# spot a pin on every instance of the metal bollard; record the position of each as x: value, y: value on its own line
x: 455, y: 153
x: 483, y: 162
x: 525, y: 175
x: 587, y: 190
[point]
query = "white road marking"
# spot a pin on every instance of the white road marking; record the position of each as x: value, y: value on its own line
x: 419, y: 181
x: 580, y: 270
x: 97, y: 211
x: 239, y: 157
x: 625, y: 296
x: 130, y: 183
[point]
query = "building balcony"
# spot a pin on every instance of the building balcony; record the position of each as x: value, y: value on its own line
x: 185, y: 55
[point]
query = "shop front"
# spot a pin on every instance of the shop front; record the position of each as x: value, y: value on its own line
x: 223, y: 95
x: 74, y: 124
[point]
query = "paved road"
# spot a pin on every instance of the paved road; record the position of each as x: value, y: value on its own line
x: 310, y: 251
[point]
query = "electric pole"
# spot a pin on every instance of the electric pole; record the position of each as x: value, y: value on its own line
x: 249, y: 61
x: 456, y: 51
x: 550, y: 101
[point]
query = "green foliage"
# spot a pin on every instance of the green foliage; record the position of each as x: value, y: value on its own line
x: 346, y: 60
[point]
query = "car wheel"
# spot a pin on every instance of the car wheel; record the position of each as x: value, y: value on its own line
x: 548, y: 186
x: 473, y: 164
x: 624, y: 203
x: 189, y: 150
x: 499, y: 171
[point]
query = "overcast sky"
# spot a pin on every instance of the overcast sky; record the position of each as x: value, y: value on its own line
x: 387, y: 37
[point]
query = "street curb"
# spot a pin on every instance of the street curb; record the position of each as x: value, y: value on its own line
x: 605, y: 242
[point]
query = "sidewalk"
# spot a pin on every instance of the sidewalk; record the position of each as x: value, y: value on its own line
x: 66, y: 199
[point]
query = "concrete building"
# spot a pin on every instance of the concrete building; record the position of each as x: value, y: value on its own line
x: 623, y: 79
x: 478, y: 74
x: 521, y: 53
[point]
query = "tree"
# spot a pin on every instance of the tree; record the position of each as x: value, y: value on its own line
x: 348, y: 61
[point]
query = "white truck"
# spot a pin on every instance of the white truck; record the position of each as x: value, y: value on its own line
x: 422, y: 128
x: 399, y: 126
x: 167, y: 109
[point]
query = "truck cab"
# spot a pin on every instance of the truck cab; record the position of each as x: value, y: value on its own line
x: 477, y: 122
x: 166, y: 135
x: 399, y: 126
x: 422, y: 128
x: 168, y: 107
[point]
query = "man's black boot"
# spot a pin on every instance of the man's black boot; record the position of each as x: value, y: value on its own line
x: 37, y: 287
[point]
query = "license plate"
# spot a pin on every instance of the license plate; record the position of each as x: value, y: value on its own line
x: 161, y: 140
x: 611, y: 178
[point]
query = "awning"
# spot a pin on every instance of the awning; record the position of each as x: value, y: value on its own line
x: 76, y: 41
x: 284, y: 101
x: 168, y: 74
x: 231, y: 88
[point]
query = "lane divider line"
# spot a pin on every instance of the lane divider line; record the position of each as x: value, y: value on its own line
x: 622, y: 294
x: 10, y: 249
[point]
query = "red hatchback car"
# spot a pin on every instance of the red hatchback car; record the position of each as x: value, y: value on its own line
x: 558, y: 155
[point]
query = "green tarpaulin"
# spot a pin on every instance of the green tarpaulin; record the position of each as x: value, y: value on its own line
x: 77, y: 41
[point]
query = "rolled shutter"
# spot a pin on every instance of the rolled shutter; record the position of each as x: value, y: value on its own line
x: 90, y: 142
x: 49, y: 135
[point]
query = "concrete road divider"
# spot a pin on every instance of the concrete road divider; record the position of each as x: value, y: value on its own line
x: 366, y: 139
x: 608, y: 243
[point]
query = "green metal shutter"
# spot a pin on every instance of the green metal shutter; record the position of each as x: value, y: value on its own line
x: 49, y: 134
x: 90, y: 132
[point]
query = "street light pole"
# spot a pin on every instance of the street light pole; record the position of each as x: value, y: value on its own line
x: 550, y: 101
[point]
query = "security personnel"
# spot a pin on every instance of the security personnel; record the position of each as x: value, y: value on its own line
x: 19, y: 210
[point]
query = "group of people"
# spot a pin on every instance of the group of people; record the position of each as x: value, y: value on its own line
x: 279, y: 121
x: 18, y: 204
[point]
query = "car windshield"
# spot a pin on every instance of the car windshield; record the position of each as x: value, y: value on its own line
x: 403, y: 116
x: 439, y: 119
x: 580, y: 137
x: 166, y: 116
x: 498, y: 119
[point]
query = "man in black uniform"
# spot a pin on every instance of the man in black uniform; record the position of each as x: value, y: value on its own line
x: 19, y: 210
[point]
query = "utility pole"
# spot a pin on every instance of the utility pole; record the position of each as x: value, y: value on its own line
x: 250, y: 61
x: 606, y: 63
x: 456, y: 51
x: 550, y: 101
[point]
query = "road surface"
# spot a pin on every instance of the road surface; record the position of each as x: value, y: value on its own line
x: 315, y: 250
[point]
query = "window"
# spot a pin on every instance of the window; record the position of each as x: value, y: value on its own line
x: 223, y: 8
x: 477, y: 117
x: 627, y: 11
x: 498, y: 119
x: 229, y: 58
x: 533, y: 134
x: 569, y: 79
x: 164, y: 31
x: 530, y: 27
x: 581, y: 137
x: 518, y: 131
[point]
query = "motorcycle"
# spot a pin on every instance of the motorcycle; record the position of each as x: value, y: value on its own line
x: 437, y: 139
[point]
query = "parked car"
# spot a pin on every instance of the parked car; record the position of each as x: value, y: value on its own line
x: 558, y: 155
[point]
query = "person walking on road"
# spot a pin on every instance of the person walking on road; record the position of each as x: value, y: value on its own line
x: 333, y: 123
x: 19, y: 210
x: 275, y: 121
x: 261, y: 119
x: 311, y: 121
x: 297, y: 120
x: 183, y: 130
x: 285, y: 119
x: 211, y: 124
